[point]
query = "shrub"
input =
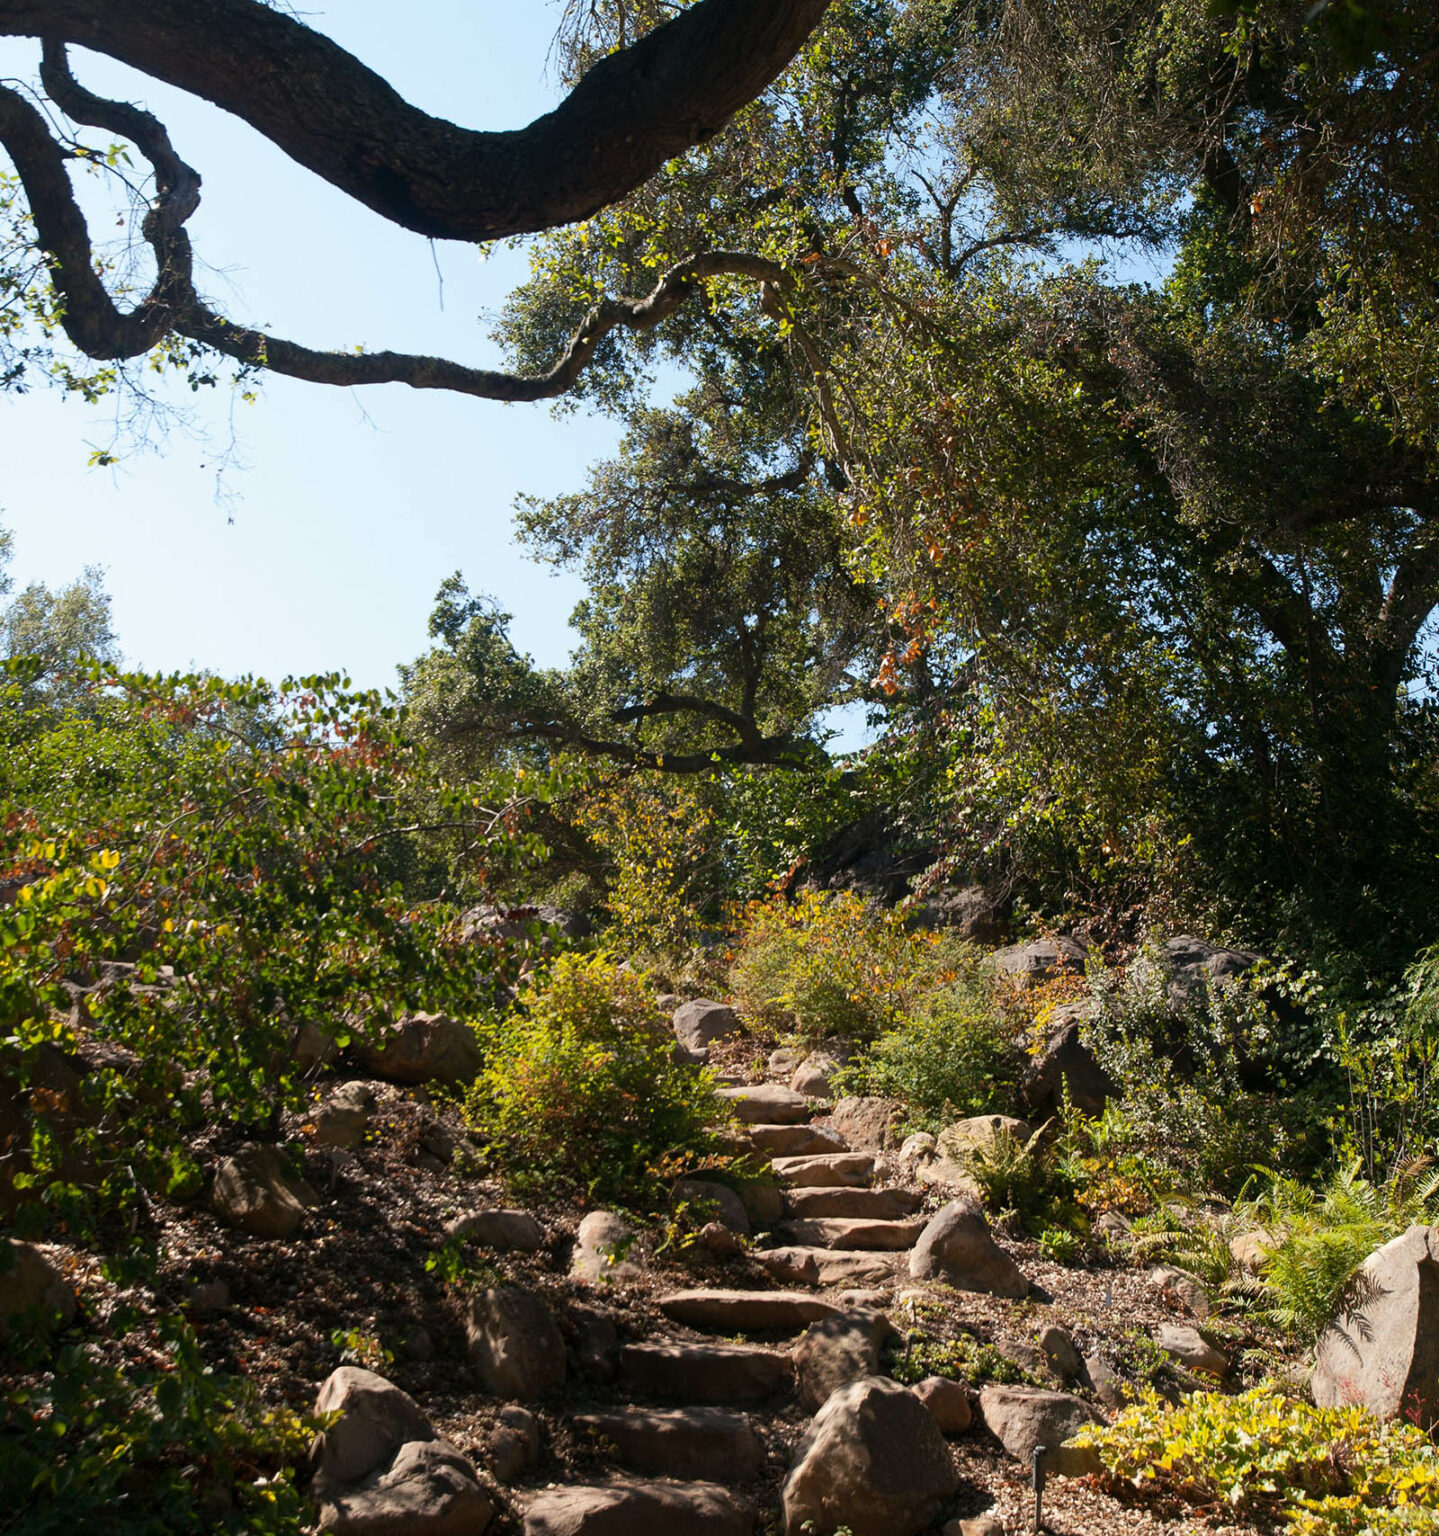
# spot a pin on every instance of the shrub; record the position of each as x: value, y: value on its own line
x: 581, y: 1092
x: 951, y: 1058
x: 1320, y: 1237
x: 1022, y: 1177
x: 828, y: 964
x: 1326, y: 1471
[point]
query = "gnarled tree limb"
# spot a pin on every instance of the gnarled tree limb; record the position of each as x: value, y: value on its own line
x: 675, y: 87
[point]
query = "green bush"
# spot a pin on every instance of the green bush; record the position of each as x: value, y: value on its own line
x: 951, y: 1058
x: 830, y: 965
x: 1327, y: 1471
x: 581, y: 1092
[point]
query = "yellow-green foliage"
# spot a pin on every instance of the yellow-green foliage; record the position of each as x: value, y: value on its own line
x: 828, y: 964
x: 1326, y: 1471
x: 581, y: 1092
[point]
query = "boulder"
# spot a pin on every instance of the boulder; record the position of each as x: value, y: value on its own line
x: 608, y: 1250
x: 795, y: 1140
x: 507, y: 1231
x: 987, y: 1524
x: 766, y: 1104
x: 1066, y: 1065
x: 1193, y: 966
x: 701, y: 1022
x: 958, y: 1248
x: 854, y: 1232
x: 375, y: 1419
x: 948, y: 1403
x: 1181, y: 1290
x: 744, y: 1311
x: 919, y: 1148
x: 763, y: 1201
x: 594, y: 1341
x: 341, y: 1119
x: 256, y: 1192
x: 32, y: 1289
x: 869, y: 1204
x: 717, y: 1201
x: 515, y: 924
x: 1108, y: 1385
x: 705, y: 1373
x: 1191, y: 1349
x: 514, y: 1443
x: 827, y: 1170
x: 868, y: 1123
x: 1059, y: 1349
x: 1250, y: 1249
x: 429, y: 1489
x: 421, y: 1048
x: 979, y: 1133
x: 873, y: 1461
x: 313, y: 1048
x: 814, y: 1075
x: 972, y: 912
x: 640, y: 1509
x: 1382, y: 1350
x: 826, y: 1266
x: 711, y: 1443
x: 837, y: 1350
x: 1023, y: 1418
x: 514, y: 1343
x: 1027, y: 964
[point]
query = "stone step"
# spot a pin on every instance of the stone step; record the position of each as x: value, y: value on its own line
x: 829, y: 1170
x: 826, y: 1266
x: 874, y: 1204
x: 745, y: 1311
x: 795, y: 1140
x: 680, y: 1372
x: 634, y: 1508
x: 710, y: 1443
x: 853, y: 1232
x: 767, y: 1104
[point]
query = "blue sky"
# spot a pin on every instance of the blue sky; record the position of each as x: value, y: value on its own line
x: 347, y: 508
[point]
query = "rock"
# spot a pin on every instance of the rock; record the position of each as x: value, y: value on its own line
x: 763, y: 1201
x: 782, y: 1062
x: 825, y: 1170
x: 980, y: 1525
x: 32, y: 1289
x: 1059, y: 1349
x: 705, y: 1373
x: 508, y: 1231
x: 595, y: 1341
x: 640, y: 1509
x: 429, y: 1489
x: 948, y: 1403
x: 1181, y: 1289
x: 607, y: 1250
x: 973, y: 913
x: 979, y: 1134
x: 716, y: 1239
x: 1108, y: 1385
x: 1026, y: 964
x: 837, y: 1350
x: 795, y: 1140
x: 514, y: 1343
x: 701, y: 1022
x: 868, y: 1124
x: 1251, y: 1249
x: 375, y: 1419
x: 814, y: 1075
x: 313, y: 1048
x: 744, y: 1311
x: 341, y: 1119
x: 256, y: 1192
x: 1030, y: 1358
x: 766, y: 1104
x: 421, y: 1048
x: 713, y: 1200
x: 710, y: 1443
x: 433, y: 1139
x: 867, y: 1204
x: 957, y: 1247
x: 919, y: 1148
x: 854, y: 1233
x: 873, y: 1461
x: 1066, y: 1065
x: 947, y: 1177
x: 207, y: 1298
x: 1382, y: 1350
x: 515, y: 924
x: 514, y: 1443
x: 1191, y: 1349
x: 1194, y: 965
x: 1113, y: 1227
x: 826, y: 1266
x: 1022, y: 1418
